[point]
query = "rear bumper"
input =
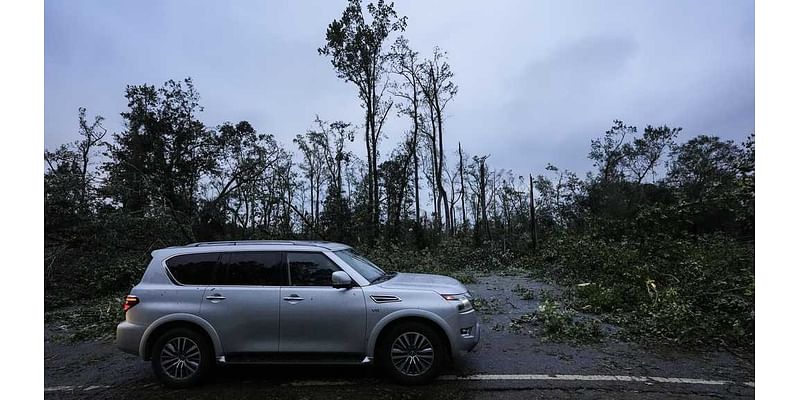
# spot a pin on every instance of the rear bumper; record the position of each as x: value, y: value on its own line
x: 129, y: 337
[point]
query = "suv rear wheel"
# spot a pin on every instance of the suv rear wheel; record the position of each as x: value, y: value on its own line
x: 181, y: 357
x: 412, y: 353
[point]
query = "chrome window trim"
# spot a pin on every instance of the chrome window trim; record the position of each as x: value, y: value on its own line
x: 331, y: 255
x: 178, y: 283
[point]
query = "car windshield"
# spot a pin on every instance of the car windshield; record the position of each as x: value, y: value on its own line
x: 365, y: 267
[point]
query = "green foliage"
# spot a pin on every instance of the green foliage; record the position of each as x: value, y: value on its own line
x: 673, y: 259
x: 484, y: 306
x: 394, y: 174
x: 595, y: 298
x: 105, y: 255
x: 715, y: 185
x: 456, y: 258
x: 96, y: 319
x: 556, y: 322
x: 353, y: 43
x: 686, y: 291
x: 560, y: 323
x: 162, y: 155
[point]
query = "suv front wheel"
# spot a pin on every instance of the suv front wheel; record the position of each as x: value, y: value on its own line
x: 412, y: 353
x: 181, y: 357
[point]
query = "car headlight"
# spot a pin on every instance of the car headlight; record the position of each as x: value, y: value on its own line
x: 464, y: 304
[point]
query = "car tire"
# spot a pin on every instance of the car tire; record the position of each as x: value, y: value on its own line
x: 412, y: 353
x: 182, y: 357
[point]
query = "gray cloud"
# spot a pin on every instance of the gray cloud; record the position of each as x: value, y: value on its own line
x: 537, y: 80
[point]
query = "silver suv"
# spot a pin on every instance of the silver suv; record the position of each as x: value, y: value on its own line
x: 291, y: 302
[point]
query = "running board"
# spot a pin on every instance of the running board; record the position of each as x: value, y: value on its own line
x: 294, y: 358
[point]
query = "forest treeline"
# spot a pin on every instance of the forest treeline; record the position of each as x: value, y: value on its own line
x: 660, y: 233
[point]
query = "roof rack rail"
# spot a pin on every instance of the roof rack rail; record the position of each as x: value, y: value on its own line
x: 239, y: 242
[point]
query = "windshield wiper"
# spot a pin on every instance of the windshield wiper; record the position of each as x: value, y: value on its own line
x: 384, y: 277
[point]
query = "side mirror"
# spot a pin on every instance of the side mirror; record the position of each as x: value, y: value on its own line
x: 341, y: 280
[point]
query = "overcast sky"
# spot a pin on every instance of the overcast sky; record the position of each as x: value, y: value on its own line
x: 537, y: 79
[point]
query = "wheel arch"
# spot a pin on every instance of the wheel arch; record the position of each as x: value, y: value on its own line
x: 167, y: 322
x: 398, y: 317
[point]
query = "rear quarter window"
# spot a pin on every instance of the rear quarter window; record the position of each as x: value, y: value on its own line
x: 194, y: 269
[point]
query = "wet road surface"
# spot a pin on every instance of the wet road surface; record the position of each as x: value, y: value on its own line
x: 508, y: 363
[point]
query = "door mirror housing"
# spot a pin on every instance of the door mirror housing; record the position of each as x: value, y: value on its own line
x: 341, y: 280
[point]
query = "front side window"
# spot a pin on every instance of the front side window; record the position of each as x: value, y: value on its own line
x: 310, y: 269
x: 361, y: 264
x: 252, y: 268
x: 194, y: 269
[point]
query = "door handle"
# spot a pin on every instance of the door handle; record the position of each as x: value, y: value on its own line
x: 215, y: 297
x: 293, y: 297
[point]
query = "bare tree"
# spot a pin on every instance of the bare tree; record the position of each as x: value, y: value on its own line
x: 311, y: 147
x: 463, y: 195
x: 452, y: 178
x: 92, y: 137
x: 439, y: 89
x: 407, y: 66
x: 481, y: 215
x: 534, y: 238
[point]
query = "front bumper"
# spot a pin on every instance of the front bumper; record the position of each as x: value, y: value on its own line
x: 469, y: 341
x: 469, y: 332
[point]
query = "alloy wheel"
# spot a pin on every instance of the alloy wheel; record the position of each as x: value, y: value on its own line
x: 412, y: 354
x: 180, y: 358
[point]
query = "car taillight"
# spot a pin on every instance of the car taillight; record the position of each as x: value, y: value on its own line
x: 130, y: 301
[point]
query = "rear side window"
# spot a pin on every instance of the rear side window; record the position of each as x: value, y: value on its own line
x: 310, y: 269
x: 252, y: 268
x: 194, y: 269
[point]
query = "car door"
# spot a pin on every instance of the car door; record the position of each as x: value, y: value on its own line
x: 243, y: 305
x: 317, y: 319
x: 192, y: 273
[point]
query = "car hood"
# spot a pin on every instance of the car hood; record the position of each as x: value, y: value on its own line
x: 439, y: 283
